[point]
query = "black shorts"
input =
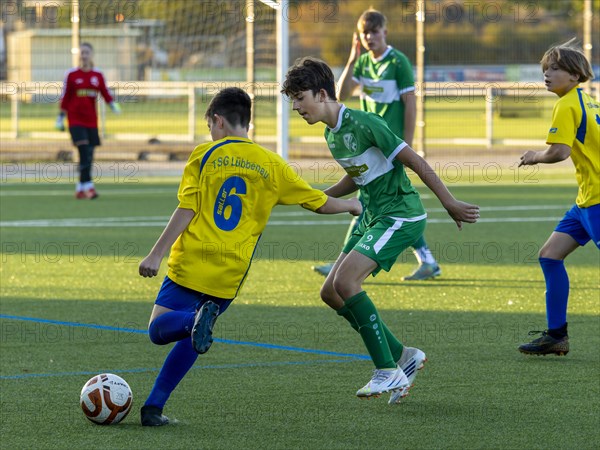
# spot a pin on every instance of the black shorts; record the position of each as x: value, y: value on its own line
x: 79, y: 134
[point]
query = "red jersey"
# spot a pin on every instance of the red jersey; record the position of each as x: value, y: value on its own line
x: 79, y: 95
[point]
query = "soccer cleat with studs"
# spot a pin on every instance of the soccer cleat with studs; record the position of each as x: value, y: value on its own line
x: 424, y: 272
x: 385, y: 380
x: 411, y: 361
x: 91, y: 194
x: 203, y: 325
x: 152, y: 416
x: 546, y: 345
x: 324, y: 269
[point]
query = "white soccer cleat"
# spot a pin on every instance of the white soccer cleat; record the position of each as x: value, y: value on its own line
x: 385, y: 380
x: 411, y: 361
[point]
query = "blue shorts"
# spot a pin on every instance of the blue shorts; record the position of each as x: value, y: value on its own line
x: 179, y: 298
x: 582, y: 224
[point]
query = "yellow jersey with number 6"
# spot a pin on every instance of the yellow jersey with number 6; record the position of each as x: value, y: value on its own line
x: 232, y: 185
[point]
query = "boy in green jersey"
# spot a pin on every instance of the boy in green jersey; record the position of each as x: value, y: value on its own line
x: 393, y: 219
x: 385, y: 78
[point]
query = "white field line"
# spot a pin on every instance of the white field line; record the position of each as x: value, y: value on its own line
x: 63, y: 193
x: 275, y: 223
x: 160, y: 221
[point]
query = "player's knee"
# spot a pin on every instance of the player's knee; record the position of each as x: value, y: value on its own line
x: 344, y: 287
x: 154, y: 334
x: 549, y: 252
x: 327, y: 293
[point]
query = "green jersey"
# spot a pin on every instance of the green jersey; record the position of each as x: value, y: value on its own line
x: 365, y: 147
x: 382, y: 83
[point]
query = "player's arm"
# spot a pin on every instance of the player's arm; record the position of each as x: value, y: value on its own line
x: 459, y: 211
x: 108, y: 98
x: 343, y: 187
x: 338, y: 205
x: 410, y: 116
x: 66, y: 95
x: 179, y: 221
x: 553, y: 154
x: 346, y: 84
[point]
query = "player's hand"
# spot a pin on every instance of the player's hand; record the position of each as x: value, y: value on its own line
x: 356, y: 205
x: 356, y: 48
x: 149, y: 266
x: 528, y: 158
x: 462, y: 212
x: 116, y: 108
x: 60, y: 123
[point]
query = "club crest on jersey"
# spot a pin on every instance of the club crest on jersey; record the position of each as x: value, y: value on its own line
x: 350, y: 142
x: 94, y: 80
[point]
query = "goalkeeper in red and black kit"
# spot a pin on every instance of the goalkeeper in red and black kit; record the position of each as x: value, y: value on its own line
x: 78, y: 104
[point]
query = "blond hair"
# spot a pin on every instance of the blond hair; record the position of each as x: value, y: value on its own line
x: 371, y: 20
x: 570, y: 58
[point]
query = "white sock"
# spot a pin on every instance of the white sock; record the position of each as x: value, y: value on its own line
x: 424, y: 256
x: 79, y: 187
x: 88, y: 185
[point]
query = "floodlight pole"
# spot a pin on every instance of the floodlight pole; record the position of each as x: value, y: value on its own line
x: 75, y: 34
x: 283, y: 111
x: 420, y: 88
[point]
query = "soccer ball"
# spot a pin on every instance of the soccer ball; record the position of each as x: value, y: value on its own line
x: 106, y: 399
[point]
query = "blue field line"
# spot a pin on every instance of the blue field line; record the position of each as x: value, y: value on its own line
x: 144, y: 370
x: 223, y: 341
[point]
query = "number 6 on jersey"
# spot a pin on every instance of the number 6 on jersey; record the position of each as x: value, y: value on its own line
x: 228, y: 205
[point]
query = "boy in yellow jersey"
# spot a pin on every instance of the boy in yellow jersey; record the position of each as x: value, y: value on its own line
x: 574, y: 132
x: 226, y: 195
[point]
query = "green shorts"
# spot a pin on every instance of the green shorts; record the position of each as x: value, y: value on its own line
x: 385, y: 239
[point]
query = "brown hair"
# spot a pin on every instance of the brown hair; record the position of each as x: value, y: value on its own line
x: 309, y: 73
x: 371, y: 20
x: 232, y: 103
x: 570, y: 58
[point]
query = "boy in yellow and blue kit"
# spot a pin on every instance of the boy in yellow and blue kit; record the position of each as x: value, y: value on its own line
x: 226, y: 195
x: 574, y: 132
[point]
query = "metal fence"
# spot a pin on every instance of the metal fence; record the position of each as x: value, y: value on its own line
x: 481, y: 84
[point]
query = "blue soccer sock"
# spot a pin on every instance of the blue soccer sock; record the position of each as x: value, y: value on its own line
x: 179, y: 361
x: 557, y: 291
x: 171, y: 327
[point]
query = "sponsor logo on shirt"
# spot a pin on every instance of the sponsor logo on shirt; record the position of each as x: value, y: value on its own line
x: 86, y: 93
x: 357, y: 171
x: 370, y: 90
x: 553, y: 130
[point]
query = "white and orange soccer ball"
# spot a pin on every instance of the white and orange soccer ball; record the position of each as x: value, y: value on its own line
x: 106, y: 399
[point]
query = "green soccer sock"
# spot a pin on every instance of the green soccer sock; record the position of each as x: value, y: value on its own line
x: 395, y: 345
x: 420, y: 243
x: 370, y: 328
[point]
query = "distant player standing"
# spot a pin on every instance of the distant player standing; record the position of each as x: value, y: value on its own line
x: 385, y: 77
x: 374, y: 159
x: 573, y: 132
x: 228, y: 189
x: 78, y: 103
